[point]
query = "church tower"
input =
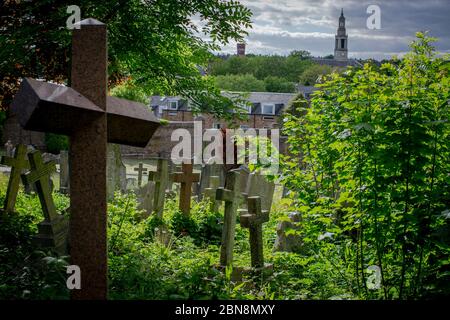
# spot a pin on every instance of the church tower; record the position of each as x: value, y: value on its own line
x: 340, y: 47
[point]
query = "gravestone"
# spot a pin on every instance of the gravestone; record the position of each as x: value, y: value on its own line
x: 90, y: 118
x: 210, y: 193
x: 131, y: 184
x: 244, y: 173
x: 53, y: 231
x: 253, y: 218
x: 64, y: 172
x: 145, y: 198
x: 186, y: 178
x: 9, y: 149
x: 141, y: 171
x: 115, y: 171
x: 258, y: 185
x: 289, y: 242
x: 18, y: 164
x: 207, y: 171
x: 161, y: 179
x: 232, y: 197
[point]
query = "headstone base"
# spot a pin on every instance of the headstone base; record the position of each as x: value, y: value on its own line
x: 54, y: 234
x: 238, y: 273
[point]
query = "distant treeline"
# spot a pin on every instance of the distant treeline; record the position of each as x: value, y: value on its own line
x: 266, y: 73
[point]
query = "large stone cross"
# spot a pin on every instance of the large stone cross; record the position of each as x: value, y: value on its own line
x: 141, y: 171
x: 232, y: 197
x: 18, y: 164
x: 253, y: 220
x: 90, y: 118
x: 186, y: 178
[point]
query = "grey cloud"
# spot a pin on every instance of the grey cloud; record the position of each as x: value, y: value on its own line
x: 281, y: 26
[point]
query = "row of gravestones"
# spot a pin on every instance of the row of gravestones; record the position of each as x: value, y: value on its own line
x: 151, y: 195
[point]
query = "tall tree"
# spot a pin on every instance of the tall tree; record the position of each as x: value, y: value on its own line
x: 154, y: 44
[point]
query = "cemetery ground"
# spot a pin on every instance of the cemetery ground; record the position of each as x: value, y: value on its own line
x: 142, y: 267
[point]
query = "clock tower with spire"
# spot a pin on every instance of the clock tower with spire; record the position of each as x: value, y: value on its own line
x: 340, y: 47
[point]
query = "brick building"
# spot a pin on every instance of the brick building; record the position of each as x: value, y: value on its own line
x: 264, y: 113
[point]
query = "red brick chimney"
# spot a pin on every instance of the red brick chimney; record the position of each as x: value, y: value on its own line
x: 241, y: 49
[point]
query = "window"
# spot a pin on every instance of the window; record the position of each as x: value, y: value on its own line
x: 342, y: 43
x: 216, y: 125
x: 244, y: 127
x: 173, y: 105
x: 268, y: 109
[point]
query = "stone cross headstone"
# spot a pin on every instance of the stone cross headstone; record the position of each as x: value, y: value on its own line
x: 145, y: 197
x: 90, y: 118
x: 53, y: 230
x: 18, y: 164
x: 253, y: 220
x: 258, y: 185
x: 210, y: 193
x: 207, y: 171
x: 64, y: 172
x: 232, y: 197
x: 141, y: 171
x: 115, y: 171
x: 244, y: 173
x: 161, y: 179
x: 186, y: 178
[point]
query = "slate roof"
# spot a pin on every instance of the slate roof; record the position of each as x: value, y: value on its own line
x: 280, y: 100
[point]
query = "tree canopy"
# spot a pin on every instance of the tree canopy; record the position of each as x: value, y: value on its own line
x: 156, y: 45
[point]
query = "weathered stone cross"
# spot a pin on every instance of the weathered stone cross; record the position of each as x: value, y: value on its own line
x: 253, y: 220
x: 90, y: 118
x: 210, y: 193
x: 39, y: 175
x: 17, y: 164
x: 141, y: 171
x: 232, y: 197
x: 53, y: 230
x: 161, y: 179
x: 186, y: 178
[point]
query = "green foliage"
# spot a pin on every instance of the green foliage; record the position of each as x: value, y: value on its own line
x: 130, y: 91
x: 314, y: 73
x: 56, y: 142
x: 286, y: 69
x: 370, y: 172
x: 240, y: 83
x: 27, y: 271
x: 277, y: 84
x: 155, y: 43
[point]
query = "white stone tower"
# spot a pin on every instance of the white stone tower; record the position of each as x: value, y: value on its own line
x: 340, y: 47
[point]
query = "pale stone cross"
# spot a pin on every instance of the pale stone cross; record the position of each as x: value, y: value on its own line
x: 40, y: 176
x: 253, y: 218
x: 186, y: 178
x: 232, y: 197
x: 53, y: 230
x: 90, y: 118
x: 210, y: 193
x: 18, y: 163
x: 141, y: 171
x: 161, y: 179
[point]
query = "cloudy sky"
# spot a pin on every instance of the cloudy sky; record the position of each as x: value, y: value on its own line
x: 280, y: 26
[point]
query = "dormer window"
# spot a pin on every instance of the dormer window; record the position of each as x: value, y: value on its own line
x: 268, y: 109
x: 173, y: 105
